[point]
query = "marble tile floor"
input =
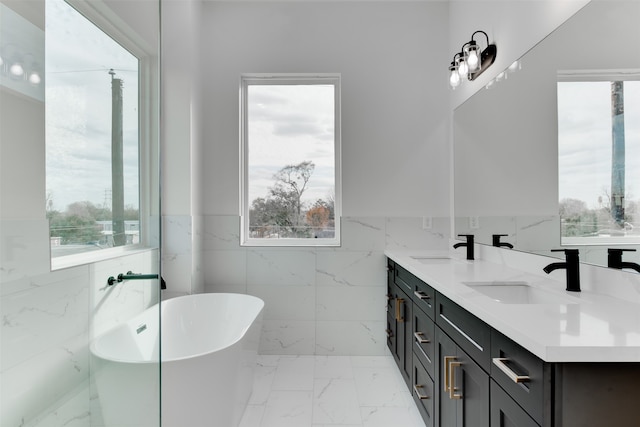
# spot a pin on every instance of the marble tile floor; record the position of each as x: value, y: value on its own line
x: 323, y: 391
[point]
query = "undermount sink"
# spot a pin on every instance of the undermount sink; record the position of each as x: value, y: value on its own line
x: 432, y: 259
x: 515, y: 292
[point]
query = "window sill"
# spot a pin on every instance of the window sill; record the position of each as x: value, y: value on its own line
x: 280, y: 243
x: 76, y: 260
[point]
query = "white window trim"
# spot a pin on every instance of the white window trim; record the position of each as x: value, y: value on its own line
x: 280, y: 79
x: 570, y: 76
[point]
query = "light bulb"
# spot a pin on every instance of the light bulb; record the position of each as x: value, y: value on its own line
x: 454, y: 77
x: 34, y: 78
x: 16, y: 69
x: 463, y: 68
x: 473, y: 58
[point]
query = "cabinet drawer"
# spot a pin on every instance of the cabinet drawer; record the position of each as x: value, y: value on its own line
x: 423, y: 296
x: 423, y: 393
x: 469, y: 332
x: 404, y: 279
x: 423, y: 338
x: 519, y: 373
x: 505, y: 412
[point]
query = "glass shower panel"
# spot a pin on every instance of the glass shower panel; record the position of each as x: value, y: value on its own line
x: 79, y: 203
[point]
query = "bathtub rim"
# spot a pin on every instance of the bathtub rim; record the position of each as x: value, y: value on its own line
x: 93, y: 352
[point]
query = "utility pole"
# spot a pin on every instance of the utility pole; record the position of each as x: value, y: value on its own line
x: 117, y: 163
x: 618, y: 152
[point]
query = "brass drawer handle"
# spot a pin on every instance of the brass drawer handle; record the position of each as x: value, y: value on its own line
x: 399, y: 303
x: 416, y: 388
x: 419, y: 338
x: 452, y: 381
x: 421, y: 295
x: 447, y: 377
x: 499, y: 362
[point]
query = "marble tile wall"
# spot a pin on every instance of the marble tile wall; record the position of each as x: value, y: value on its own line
x: 319, y: 301
x: 48, y: 319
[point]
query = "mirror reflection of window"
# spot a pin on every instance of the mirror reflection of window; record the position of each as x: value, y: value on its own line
x: 92, y: 135
x: 599, y: 160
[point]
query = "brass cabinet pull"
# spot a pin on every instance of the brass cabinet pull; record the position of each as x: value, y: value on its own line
x: 399, y: 302
x: 419, y: 338
x: 416, y: 388
x: 452, y: 381
x: 447, y: 361
x: 421, y: 295
x: 389, y: 333
x: 499, y: 362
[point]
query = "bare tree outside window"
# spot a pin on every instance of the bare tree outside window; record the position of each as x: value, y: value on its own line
x: 291, y: 160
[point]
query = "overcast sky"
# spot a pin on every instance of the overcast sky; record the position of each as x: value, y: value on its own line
x: 289, y: 125
x: 78, y: 109
x: 585, y: 138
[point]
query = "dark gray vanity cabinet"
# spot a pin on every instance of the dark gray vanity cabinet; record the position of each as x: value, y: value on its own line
x: 462, y: 372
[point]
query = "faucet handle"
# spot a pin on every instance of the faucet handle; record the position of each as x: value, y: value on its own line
x: 614, y: 257
x: 468, y: 236
x: 570, y: 254
x: 619, y: 251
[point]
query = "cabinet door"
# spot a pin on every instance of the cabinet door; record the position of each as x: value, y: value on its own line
x: 423, y: 392
x: 473, y: 385
x: 505, y: 412
x: 463, y: 387
x: 399, y: 330
x: 391, y: 320
x: 446, y: 407
x: 404, y: 332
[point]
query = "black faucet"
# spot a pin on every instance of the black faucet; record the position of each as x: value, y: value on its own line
x: 614, y: 259
x: 572, y: 265
x: 497, y: 243
x: 468, y: 244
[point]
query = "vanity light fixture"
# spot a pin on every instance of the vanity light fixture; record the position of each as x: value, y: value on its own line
x: 471, y: 61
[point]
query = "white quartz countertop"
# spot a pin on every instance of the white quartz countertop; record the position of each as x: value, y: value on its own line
x: 568, y: 327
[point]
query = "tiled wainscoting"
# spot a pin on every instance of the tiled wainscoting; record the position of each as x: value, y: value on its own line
x: 336, y: 391
x: 319, y: 301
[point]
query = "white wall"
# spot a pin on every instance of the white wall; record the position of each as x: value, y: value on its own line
x: 394, y: 160
x: 394, y: 125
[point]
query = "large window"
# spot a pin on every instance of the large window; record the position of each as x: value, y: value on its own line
x: 599, y: 159
x: 92, y: 135
x: 290, y: 128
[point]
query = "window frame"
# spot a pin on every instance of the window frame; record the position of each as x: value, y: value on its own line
x: 603, y: 75
x: 250, y: 79
x: 112, y: 25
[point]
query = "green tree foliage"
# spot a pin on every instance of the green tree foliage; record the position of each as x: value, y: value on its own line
x: 78, y: 223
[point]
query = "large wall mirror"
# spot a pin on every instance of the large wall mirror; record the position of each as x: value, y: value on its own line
x: 534, y: 152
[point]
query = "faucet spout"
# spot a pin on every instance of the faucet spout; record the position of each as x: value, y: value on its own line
x: 497, y: 243
x: 615, y: 260
x: 631, y: 265
x: 554, y: 266
x: 468, y: 244
x: 572, y: 266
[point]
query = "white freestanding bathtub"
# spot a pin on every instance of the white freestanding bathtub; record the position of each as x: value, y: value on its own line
x: 209, y: 343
